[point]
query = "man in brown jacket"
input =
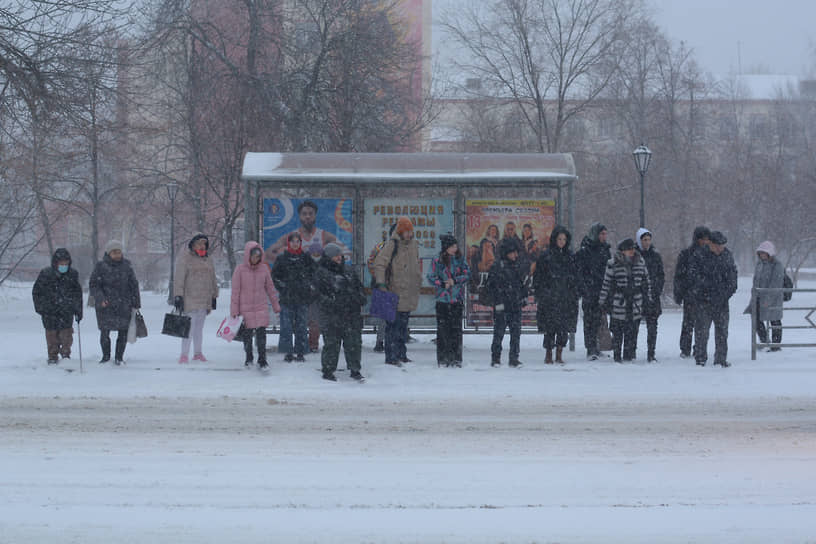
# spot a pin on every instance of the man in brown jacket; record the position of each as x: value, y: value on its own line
x: 400, y: 259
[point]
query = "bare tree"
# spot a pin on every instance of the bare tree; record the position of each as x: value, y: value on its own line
x: 551, y: 57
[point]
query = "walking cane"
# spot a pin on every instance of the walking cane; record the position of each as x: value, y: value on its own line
x: 79, y: 343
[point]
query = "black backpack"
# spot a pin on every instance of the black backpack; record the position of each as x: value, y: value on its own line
x: 787, y: 283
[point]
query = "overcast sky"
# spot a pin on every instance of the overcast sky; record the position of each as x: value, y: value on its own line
x: 774, y: 35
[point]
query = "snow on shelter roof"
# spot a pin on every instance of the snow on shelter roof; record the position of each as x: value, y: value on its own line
x: 410, y: 167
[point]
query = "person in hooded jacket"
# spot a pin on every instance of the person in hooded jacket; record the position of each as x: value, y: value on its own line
x: 769, y: 272
x: 340, y: 298
x: 684, y: 282
x: 449, y: 274
x: 556, y: 287
x: 115, y: 291
x: 715, y: 283
x: 625, y: 289
x: 505, y: 283
x: 400, y: 255
x: 292, y: 274
x: 591, y: 260
x: 251, y: 287
x: 57, y: 298
x: 195, y: 290
x: 651, y: 307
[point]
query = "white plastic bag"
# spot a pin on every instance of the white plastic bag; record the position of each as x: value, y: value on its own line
x: 228, y: 328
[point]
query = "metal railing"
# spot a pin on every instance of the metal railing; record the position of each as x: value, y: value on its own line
x: 755, y: 319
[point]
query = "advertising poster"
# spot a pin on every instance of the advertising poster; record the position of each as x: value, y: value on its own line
x: 431, y: 218
x: 488, y: 221
x: 318, y: 220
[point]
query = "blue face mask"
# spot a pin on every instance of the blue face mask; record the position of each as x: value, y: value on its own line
x: 63, y: 268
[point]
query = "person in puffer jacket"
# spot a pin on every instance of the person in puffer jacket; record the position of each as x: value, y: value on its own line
x: 625, y: 288
x: 340, y: 297
x: 251, y: 287
x: 292, y: 274
x: 58, y: 299
x: 505, y: 284
x: 449, y: 274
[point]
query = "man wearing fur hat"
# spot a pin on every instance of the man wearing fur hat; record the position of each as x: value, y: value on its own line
x: 115, y: 292
x: 397, y: 269
x: 717, y: 282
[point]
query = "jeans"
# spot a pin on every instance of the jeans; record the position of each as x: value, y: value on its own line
x: 501, y: 321
x: 396, y: 335
x: 293, y: 319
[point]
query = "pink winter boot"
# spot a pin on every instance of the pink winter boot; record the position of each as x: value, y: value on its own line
x: 183, y: 360
x: 199, y: 357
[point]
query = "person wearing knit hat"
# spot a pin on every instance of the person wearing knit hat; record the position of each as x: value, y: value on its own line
x: 625, y: 287
x: 769, y: 272
x: 340, y: 298
x: 449, y: 273
x: 397, y: 269
x: 195, y: 290
x: 652, y: 307
x: 683, y: 284
x: 591, y: 260
x: 115, y: 292
x: 292, y: 273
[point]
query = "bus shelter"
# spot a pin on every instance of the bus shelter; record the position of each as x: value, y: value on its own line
x: 353, y: 198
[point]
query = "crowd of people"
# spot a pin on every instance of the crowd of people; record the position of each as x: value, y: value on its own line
x: 626, y: 285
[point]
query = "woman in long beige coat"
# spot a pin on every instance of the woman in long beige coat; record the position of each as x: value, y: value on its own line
x: 401, y: 255
x: 195, y: 289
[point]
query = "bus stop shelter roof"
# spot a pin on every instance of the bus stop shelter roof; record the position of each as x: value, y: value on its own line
x: 457, y: 168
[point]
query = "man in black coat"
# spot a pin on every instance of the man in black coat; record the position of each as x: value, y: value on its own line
x: 591, y: 260
x: 651, y: 307
x: 683, y: 282
x: 340, y: 297
x: 115, y: 290
x: 505, y: 283
x: 292, y: 274
x: 58, y: 299
x: 717, y: 274
x: 556, y: 292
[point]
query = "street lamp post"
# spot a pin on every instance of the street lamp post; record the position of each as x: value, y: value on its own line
x: 642, y: 157
x: 172, y: 189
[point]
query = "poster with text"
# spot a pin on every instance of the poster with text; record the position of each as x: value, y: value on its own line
x: 430, y: 217
x: 319, y: 221
x: 529, y: 222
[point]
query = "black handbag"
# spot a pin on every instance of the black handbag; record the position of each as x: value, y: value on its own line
x: 176, y: 325
x: 141, y: 327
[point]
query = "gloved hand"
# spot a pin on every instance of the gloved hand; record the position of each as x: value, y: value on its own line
x: 178, y: 303
x: 213, y: 304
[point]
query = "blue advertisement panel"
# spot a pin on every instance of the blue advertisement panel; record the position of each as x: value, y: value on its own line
x: 318, y: 220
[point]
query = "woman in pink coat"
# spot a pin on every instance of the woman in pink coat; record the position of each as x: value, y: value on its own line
x: 251, y: 286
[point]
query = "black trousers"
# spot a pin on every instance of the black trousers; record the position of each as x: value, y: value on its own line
x: 624, y: 334
x: 687, y: 328
x: 448, y: 333
x: 555, y: 336
x: 501, y: 321
x: 105, y: 343
x: 706, y: 314
x: 260, y: 343
x: 651, y: 335
x: 592, y: 322
x: 349, y: 335
x: 762, y: 331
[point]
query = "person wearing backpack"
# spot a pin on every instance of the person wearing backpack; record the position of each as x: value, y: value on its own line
x: 769, y: 272
x: 397, y: 270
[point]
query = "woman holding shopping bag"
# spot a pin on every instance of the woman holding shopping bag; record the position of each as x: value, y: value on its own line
x: 195, y: 289
x: 251, y: 287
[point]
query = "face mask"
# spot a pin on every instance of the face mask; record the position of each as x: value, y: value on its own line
x: 201, y: 252
x: 63, y: 268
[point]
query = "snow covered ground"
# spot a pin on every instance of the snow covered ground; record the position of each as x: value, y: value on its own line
x: 591, y: 452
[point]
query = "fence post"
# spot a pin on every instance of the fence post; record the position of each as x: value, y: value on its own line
x: 754, y: 318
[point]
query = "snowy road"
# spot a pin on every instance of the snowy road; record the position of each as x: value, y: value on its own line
x: 232, y: 469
